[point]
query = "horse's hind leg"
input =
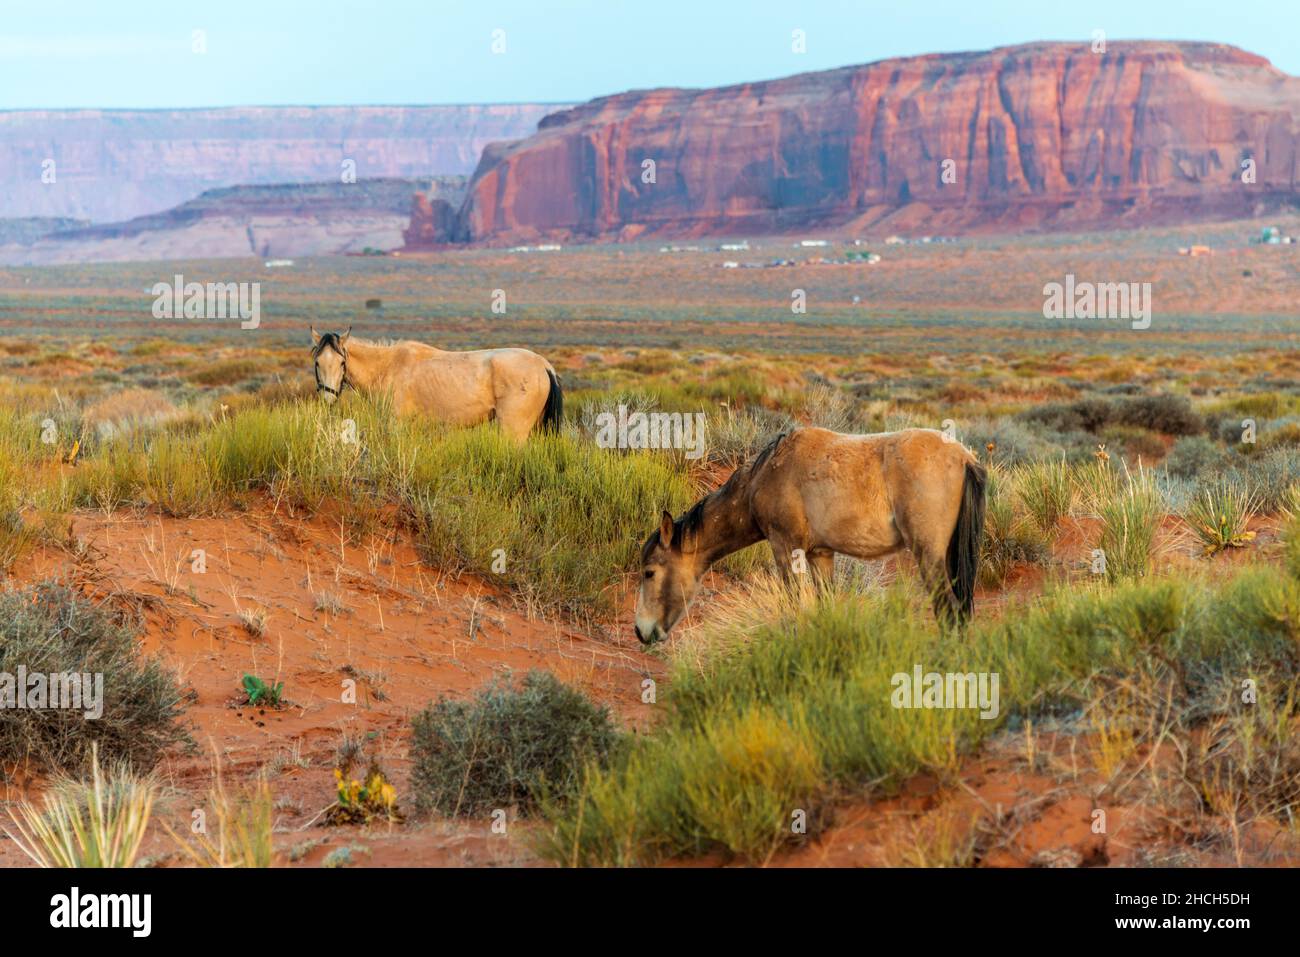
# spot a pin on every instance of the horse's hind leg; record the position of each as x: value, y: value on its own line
x: 933, y: 566
x: 515, y: 418
x: 519, y: 408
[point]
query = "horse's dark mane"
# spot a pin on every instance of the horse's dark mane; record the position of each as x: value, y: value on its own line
x: 764, y: 455
x: 693, y: 519
x: 330, y: 339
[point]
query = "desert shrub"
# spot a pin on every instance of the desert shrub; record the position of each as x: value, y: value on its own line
x: 1262, y: 405
x: 831, y: 407
x: 746, y: 384
x: 586, y: 409
x: 1138, y: 444
x: 1278, y: 432
x: 1168, y: 414
x: 51, y: 630
x: 1193, y: 455
x: 1228, y: 430
x: 1245, y: 764
x: 225, y: 372
x: 1086, y: 415
x: 1268, y: 477
x: 280, y: 391
x: 736, y: 435
x: 258, y: 446
x: 1014, y: 442
x: 506, y: 746
x: 649, y: 362
x: 150, y: 347
x: 1178, y: 493
x: 129, y: 410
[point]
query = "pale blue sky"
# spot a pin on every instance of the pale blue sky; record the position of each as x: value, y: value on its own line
x: 137, y: 53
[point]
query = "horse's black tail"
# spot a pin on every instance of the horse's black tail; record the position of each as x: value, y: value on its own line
x: 554, y: 410
x: 967, y: 535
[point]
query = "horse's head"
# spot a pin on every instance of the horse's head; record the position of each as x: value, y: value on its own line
x: 329, y: 352
x: 670, y: 575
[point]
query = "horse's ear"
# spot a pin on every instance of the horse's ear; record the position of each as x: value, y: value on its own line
x: 315, y: 336
x: 343, y: 339
x: 666, y: 529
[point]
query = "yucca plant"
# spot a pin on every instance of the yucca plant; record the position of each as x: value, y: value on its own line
x: 95, y: 823
x: 1130, y: 521
x: 243, y: 831
x: 1220, y: 515
x: 1047, y: 490
x: 1095, y: 482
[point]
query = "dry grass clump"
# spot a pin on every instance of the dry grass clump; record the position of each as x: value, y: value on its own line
x: 128, y: 411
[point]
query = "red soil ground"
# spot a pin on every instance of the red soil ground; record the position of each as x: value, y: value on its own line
x: 410, y: 634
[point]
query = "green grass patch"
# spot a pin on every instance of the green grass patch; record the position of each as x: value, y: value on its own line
x: 781, y: 723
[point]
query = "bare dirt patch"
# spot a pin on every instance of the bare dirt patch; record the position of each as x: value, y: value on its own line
x: 337, y: 616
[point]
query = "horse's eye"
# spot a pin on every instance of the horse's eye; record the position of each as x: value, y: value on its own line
x: 649, y: 573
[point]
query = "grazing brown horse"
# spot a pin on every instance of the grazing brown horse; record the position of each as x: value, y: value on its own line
x: 812, y: 493
x: 516, y: 387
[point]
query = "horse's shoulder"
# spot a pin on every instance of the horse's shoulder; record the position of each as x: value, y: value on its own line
x: 410, y: 349
x: 814, y: 440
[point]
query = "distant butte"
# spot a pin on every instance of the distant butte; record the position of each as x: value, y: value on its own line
x: 1045, y: 136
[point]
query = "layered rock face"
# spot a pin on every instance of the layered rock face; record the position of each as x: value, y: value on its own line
x: 291, y: 219
x: 1041, y: 136
x: 112, y: 165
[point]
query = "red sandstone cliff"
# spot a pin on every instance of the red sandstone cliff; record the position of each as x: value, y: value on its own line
x: 1046, y: 135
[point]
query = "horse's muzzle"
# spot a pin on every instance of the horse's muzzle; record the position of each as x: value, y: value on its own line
x: 650, y: 635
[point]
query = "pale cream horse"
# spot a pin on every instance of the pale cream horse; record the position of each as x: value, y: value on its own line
x: 517, y: 388
x: 813, y: 493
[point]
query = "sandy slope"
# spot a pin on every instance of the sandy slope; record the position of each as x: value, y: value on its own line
x: 408, y: 635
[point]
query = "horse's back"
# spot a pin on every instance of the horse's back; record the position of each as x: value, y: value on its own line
x: 862, y: 494
x: 816, y: 449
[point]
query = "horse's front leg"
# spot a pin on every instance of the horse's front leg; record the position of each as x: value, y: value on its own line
x: 821, y: 561
x: 797, y: 561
